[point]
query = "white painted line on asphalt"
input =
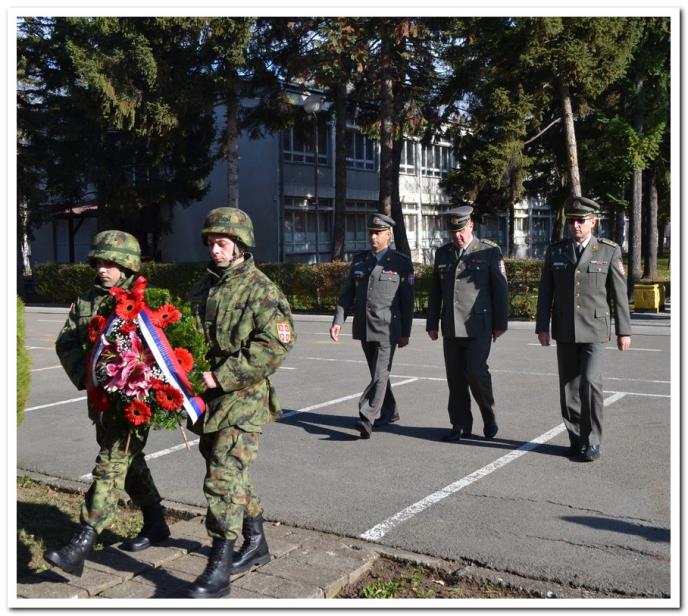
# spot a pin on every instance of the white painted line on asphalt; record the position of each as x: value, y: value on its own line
x: 152, y: 456
x: 609, y: 348
x: 164, y: 452
x: 306, y: 409
x: 45, y: 406
x: 50, y: 321
x: 492, y: 370
x: 286, y: 368
x: 380, y: 530
x: 46, y: 368
x: 33, y: 348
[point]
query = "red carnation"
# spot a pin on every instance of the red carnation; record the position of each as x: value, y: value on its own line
x: 169, y: 398
x: 128, y: 327
x: 128, y: 306
x: 165, y: 315
x: 99, y: 399
x: 185, y: 359
x: 137, y: 413
x: 95, y: 327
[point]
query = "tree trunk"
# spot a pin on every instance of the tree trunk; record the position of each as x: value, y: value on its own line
x: 232, y: 146
x: 400, y: 238
x: 386, y: 127
x: 570, y: 133
x: 338, y: 233
x: 652, y: 202
x: 24, y: 241
x: 512, y: 230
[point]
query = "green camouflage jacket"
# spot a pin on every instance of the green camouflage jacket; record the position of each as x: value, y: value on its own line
x: 72, y: 344
x: 248, y: 325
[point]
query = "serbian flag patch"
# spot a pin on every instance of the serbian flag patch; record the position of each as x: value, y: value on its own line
x: 284, y: 332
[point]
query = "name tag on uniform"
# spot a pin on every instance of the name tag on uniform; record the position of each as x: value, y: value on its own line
x: 390, y: 272
x: 359, y: 274
x: 599, y: 262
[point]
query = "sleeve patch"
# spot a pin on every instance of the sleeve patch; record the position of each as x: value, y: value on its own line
x: 502, y: 268
x: 620, y: 265
x: 284, y: 332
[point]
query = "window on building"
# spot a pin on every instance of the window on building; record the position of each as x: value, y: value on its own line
x: 408, y: 157
x: 361, y: 152
x: 356, y: 225
x: 435, y: 232
x: 299, y: 143
x: 304, y: 228
x: 436, y: 160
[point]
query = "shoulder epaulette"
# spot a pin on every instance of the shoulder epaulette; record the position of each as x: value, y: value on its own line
x: 490, y: 243
x: 401, y: 254
x: 604, y: 240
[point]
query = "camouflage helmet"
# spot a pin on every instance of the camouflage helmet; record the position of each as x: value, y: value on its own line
x: 116, y: 246
x: 229, y: 221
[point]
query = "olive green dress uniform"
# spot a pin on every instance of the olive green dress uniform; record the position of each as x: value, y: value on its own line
x: 469, y: 295
x: 580, y: 297
x: 248, y: 324
x: 380, y: 294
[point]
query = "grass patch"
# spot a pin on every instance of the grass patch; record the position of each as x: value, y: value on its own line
x: 391, y: 579
x: 47, y: 517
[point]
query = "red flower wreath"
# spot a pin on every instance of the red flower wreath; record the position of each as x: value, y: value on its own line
x: 185, y: 359
x: 128, y: 306
x: 137, y: 413
x: 169, y: 398
x: 96, y: 326
x: 128, y: 327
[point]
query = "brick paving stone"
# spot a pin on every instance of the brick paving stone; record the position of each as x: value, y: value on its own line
x: 131, y: 589
x: 157, y: 555
x: 193, y: 529
x: 91, y: 582
x: 266, y: 585
x: 191, y: 564
x: 47, y: 586
x: 116, y: 562
x: 166, y: 582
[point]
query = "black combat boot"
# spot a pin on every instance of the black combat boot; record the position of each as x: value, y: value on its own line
x: 214, y: 581
x: 254, y: 550
x: 71, y: 557
x: 154, y: 530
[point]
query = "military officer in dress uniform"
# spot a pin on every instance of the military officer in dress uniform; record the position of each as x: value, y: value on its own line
x: 583, y: 283
x: 469, y: 294
x: 380, y: 292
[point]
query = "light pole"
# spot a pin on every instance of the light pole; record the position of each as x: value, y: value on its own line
x: 311, y: 106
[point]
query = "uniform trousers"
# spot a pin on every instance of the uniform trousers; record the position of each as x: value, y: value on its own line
x: 115, y: 471
x: 465, y: 362
x: 580, y: 390
x: 377, y: 399
x: 227, y: 485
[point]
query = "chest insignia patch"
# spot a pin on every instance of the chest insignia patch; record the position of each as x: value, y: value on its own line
x: 389, y: 271
x: 284, y: 332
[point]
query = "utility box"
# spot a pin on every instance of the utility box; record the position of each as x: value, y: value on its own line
x: 648, y: 297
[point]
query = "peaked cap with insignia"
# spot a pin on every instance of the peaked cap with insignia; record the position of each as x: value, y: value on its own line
x: 380, y: 222
x: 458, y: 217
x: 581, y: 207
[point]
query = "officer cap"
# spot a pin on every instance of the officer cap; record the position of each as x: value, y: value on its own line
x: 380, y: 222
x: 581, y: 207
x: 458, y: 218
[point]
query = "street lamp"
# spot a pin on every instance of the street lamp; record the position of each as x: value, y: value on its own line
x: 311, y: 106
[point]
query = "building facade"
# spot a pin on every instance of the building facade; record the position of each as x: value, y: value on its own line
x: 289, y: 193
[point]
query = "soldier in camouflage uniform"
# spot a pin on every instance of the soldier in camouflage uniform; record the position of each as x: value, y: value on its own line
x: 116, y: 257
x: 247, y: 322
x: 469, y: 294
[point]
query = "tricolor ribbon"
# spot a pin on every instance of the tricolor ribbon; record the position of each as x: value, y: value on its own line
x: 169, y: 364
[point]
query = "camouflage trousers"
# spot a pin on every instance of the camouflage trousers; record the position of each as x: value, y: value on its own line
x: 115, y: 471
x: 227, y: 486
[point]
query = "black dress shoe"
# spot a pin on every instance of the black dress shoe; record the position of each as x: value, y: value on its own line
x: 591, y: 453
x: 454, y: 436
x: 490, y: 430
x: 384, y: 421
x: 363, y: 429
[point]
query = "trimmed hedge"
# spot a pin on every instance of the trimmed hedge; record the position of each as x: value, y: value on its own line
x: 23, y: 364
x: 307, y: 287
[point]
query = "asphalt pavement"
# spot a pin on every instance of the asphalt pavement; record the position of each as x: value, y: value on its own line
x: 513, y: 508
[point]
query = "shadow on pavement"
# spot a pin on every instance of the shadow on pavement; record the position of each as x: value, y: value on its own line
x: 651, y: 533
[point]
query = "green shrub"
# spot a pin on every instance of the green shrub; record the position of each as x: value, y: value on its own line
x: 306, y: 286
x: 23, y: 364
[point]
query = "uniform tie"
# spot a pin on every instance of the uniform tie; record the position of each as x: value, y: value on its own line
x: 579, y: 251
